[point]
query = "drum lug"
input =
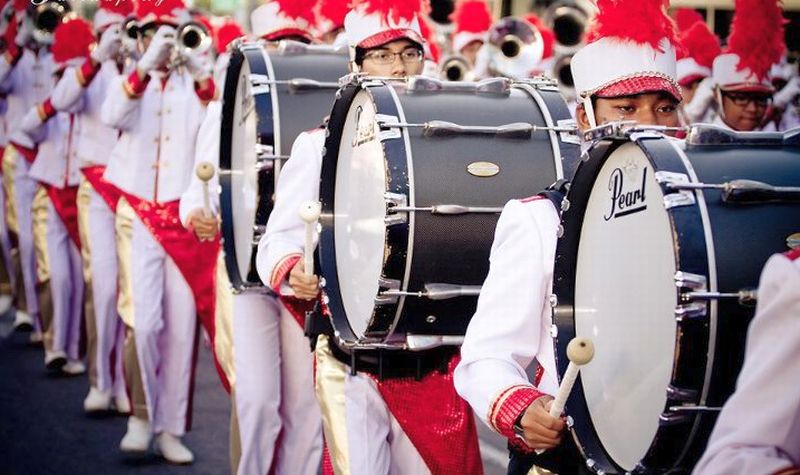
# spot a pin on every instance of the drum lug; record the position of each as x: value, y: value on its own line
x: 690, y: 311
x: 669, y: 178
x: 260, y: 84
x: 681, y: 394
x: 667, y: 419
x: 676, y: 200
x: 388, y: 284
x: 394, y: 200
x: 690, y: 281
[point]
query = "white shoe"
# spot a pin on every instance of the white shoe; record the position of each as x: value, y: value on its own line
x: 122, y: 404
x: 54, y: 359
x: 97, y: 400
x: 23, y: 322
x: 36, y: 338
x: 172, y: 449
x: 137, y: 439
x: 73, y: 368
x: 6, y: 301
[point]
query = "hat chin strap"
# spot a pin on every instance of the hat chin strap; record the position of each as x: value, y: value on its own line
x: 720, y: 105
x: 587, y: 106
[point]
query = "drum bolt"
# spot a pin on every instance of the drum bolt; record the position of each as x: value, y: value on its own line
x: 430, y: 319
x: 322, y: 282
x: 327, y: 132
x: 590, y: 463
x: 319, y: 228
x: 553, y: 331
x: 560, y: 232
x: 338, y: 94
x: 553, y: 300
x: 564, y: 205
x: 324, y: 151
x: 570, y: 422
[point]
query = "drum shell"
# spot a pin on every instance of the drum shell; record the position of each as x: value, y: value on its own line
x: 743, y: 238
x: 444, y: 249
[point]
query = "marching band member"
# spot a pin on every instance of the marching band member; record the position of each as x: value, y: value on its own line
x: 26, y: 77
x: 56, y: 168
x: 742, y: 87
x: 8, y: 277
x: 159, y: 108
x: 283, y: 20
x: 82, y: 90
x: 372, y: 426
x: 548, y: 44
x: 700, y: 48
x: 472, y: 19
x: 511, y: 327
x: 330, y: 21
x: 767, y: 441
x: 225, y: 35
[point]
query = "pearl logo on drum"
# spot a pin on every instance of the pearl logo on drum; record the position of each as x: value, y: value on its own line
x: 483, y: 169
x: 365, y: 129
x: 625, y: 202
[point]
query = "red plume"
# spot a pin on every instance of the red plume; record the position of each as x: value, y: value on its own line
x: 686, y: 17
x: 472, y: 16
x: 226, y: 33
x: 701, y: 44
x: 298, y: 9
x: 334, y: 11
x: 395, y: 10
x: 122, y: 7
x: 21, y: 5
x: 639, y: 21
x: 757, y: 35
x: 72, y: 39
x: 548, y: 36
x: 158, y: 7
x: 427, y: 35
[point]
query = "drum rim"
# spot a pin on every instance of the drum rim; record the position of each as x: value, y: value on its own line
x: 583, y: 431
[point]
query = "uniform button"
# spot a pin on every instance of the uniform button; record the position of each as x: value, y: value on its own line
x: 166, y: 139
x: 168, y: 111
x: 158, y: 113
x: 156, y: 139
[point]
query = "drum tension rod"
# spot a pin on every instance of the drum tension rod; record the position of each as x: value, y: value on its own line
x: 441, y: 128
x: 437, y: 292
x: 744, y: 191
x: 745, y: 296
x: 445, y: 209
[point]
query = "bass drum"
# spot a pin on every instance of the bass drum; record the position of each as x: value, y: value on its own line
x: 414, y: 177
x: 661, y: 253
x: 272, y: 94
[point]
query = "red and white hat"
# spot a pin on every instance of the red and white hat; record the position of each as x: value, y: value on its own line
x: 168, y: 12
x: 700, y: 48
x: 473, y: 20
x: 226, y: 33
x: 548, y: 36
x: 756, y: 43
x: 372, y: 23
x: 330, y: 15
x: 110, y: 12
x: 278, y: 19
x: 630, y: 50
x: 72, y: 42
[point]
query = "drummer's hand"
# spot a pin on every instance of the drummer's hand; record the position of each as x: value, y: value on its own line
x: 305, y: 287
x: 204, y: 228
x: 542, y: 431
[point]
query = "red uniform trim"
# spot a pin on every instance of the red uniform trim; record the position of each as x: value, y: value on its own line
x: 387, y: 36
x: 13, y: 53
x: 792, y: 255
x: 788, y: 471
x: 531, y: 198
x: 46, y: 110
x: 509, y: 405
x: 135, y: 87
x: 28, y: 153
x: 87, y: 72
x: 281, y: 271
x: 206, y: 90
x: 65, y: 203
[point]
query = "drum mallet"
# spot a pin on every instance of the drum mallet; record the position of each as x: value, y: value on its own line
x: 580, y: 351
x: 205, y: 172
x: 309, y: 213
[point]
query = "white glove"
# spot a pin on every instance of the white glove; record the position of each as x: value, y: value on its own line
x: 108, y: 46
x: 24, y: 33
x: 31, y: 121
x: 703, y: 96
x: 199, y: 66
x: 159, y: 51
x: 785, y: 96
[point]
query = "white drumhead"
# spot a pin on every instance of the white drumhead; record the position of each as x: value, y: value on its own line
x: 244, y: 179
x: 624, y: 302
x: 360, y: 208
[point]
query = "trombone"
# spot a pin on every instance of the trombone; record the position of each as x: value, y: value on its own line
x: 456, y: 68
x: 45, y: 17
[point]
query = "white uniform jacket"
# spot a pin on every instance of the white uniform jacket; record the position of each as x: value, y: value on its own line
x: 56, y: 162
x: 511, y: 326
x: 27, y: 84
x: 285, y: 235
x: 758, y: 430
x: 74, y: 93
x: 207, y: 150
x: 154, y: 155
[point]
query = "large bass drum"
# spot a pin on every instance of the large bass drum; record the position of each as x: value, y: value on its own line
x: 663, y: 244
x: 414, y: 177
x: 272, y: 94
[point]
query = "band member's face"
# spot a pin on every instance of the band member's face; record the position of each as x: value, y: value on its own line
x: 398, y: 59
x: 470, y: 52
x: 744, y: 111
x: 688, y: 91
x: 652, y: 108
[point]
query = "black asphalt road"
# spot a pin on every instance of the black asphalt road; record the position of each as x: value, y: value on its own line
x: 43, y: 429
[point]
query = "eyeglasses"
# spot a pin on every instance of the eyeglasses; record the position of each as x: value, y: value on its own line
x: 386, y: 57
x: 742, y: 99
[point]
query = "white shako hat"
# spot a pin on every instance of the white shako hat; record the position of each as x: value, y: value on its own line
x: 630, y: 50
x: 110, y: 12
x: 281, y: 18
x: 756, y: 43
x: 373, y: 23
x: 472, y: 19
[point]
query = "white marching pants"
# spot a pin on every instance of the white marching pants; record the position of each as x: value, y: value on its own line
x: 25, y: 188
x: 165, y: 327
x: 110, y: 331
x: 279, y: 421
x: 66, y: 285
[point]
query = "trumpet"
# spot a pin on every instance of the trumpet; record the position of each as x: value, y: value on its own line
x: 129, y: 35
x: 570, y: 19
x: 191, y: 38
x: 562, y: 72
x: 45, y: 17
x: 456, y: 68
x: 516, y: 48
